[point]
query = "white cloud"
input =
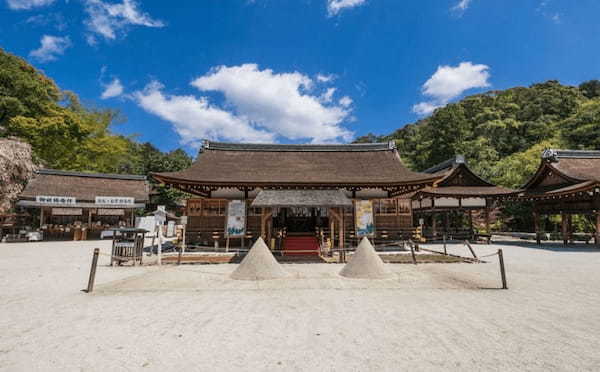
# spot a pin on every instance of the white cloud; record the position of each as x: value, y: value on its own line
x: 450, y: 82
x: 111, y: 19
x: 278, y: 102
x: 261, y: 106
x: 336, y: 6
x: 112, y: 89
x: 51, y: 47
x: 325, y: 78
x: 327, y: 95
x: 462, y: 5
x: 425, y: 108
x: 195, y: 119
x: 56, y: 20
x: 345, y: 101
x: 27, y: 4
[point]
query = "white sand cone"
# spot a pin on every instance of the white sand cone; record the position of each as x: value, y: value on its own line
x: 259, y: 264
x: 365, y: 263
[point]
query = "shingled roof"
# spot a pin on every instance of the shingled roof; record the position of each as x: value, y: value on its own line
x: 232, y: 165
x: 458, y: 180
x: 564, y: 172
x: 85, y: 186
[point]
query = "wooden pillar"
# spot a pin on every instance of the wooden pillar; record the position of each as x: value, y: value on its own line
x: 269, y: 229
x: 471, y: 220
x: 598, y: 228
x: 263, y: 231
x: 570, y: 228
x: 332, y: 228
x: 342, y: 229
x: 41, y: 217
x: 446, y: 221
x: 434, y: 225
x: 266, y: 224
x: 536, y: 222
x: 487, y: 216
x: 565, y: 228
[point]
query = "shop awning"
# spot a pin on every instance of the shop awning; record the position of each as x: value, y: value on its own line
x: 301, y: 198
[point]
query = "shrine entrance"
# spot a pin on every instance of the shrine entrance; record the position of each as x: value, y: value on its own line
x: 300, y: 220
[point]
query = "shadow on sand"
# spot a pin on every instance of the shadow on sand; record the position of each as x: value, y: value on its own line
x: 552, y: 246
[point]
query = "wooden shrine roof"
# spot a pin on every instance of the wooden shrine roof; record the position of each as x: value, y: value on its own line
x: 564, y: 173
x: 85, y: 186
x: 275, y: 165
x: 457, y: 180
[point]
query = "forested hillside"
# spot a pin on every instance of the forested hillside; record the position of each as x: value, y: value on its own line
x: 64, y: 134
x: 502, y: 133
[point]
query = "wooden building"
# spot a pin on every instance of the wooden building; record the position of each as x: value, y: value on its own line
x: 70, y: 201
x: 566, y: 183
x: 295, y: 189
x: 458, y: 192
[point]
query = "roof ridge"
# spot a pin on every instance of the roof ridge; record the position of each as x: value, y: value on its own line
x: 457, y: 159
x: 556, y: 154
x: 229, y: 146
x: 57, y: 172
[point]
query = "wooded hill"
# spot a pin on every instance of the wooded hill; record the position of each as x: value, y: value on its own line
x: 502, y: 133
x: 64, y: 134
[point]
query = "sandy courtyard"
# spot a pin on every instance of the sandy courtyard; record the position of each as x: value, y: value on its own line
x: 193, y: 317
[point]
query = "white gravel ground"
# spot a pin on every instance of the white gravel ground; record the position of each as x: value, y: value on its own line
x: 429, y: 317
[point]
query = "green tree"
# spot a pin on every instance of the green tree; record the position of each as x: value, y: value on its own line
x: 590, y: 89
x: 24, y: 91
x: 582, y: 130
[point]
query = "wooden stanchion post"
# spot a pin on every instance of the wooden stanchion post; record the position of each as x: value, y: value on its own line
x: 536, y: 222
x: 92, y: 277
x: 445, y: 249
x: 502, y: 272
x: 159, y: 249
x: 564, y: 220
x: 471, y: 249
x: 597, y: 236
x: 179, y: 256
x: 412, y: 251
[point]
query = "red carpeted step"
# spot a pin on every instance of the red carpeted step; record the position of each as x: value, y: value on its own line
x: 301, y: 243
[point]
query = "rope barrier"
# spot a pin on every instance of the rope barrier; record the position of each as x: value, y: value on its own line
x: 489, y: 255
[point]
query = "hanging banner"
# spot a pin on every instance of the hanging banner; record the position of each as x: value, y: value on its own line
x: 364, y: 218
x: 236, y: 218
x: 55, y: 200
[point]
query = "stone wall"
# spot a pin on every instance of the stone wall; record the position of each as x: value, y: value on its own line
x: 16, y: 168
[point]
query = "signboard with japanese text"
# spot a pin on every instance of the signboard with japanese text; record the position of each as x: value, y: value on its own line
x: 56, y: 200
x: 114, y: 200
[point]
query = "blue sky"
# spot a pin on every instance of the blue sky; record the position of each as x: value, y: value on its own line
x: 295, y: 71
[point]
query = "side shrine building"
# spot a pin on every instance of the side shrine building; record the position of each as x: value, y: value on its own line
x: 339, y: 192
x: 459, y: 192
x: 566, y: 183
x: 76, y: 205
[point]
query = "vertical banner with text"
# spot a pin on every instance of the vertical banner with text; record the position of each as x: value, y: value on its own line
x: 236, y: 218
x: 364, y: 218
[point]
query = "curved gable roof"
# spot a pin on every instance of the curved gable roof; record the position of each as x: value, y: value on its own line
x: 458, y: 180
x: 565, y: 167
